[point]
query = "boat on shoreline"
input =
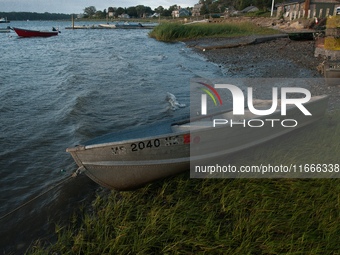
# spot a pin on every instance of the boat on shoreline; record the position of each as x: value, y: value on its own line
x: 35, y: 33
x: 132, y: 158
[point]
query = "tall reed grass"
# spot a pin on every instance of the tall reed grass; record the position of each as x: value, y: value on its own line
x: 176, y: 31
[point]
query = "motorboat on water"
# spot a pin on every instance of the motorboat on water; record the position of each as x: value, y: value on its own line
x: 35, y: 33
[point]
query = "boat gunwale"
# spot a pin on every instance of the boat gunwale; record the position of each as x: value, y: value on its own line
x: 35, y: 30
x: 194, y: 158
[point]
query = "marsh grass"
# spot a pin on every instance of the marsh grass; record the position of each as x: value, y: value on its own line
x: 176, y: 31
x: 180, y: 215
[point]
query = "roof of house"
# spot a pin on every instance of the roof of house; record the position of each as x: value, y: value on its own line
x: 250, y: 8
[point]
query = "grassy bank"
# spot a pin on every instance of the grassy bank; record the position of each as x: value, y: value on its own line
x: 180, y: 215
x: 177, y: 32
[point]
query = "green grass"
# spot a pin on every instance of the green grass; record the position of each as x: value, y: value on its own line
x: 177, y: 32
x: 180, y: 215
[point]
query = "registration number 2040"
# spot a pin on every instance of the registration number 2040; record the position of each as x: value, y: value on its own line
x: 155, y: 143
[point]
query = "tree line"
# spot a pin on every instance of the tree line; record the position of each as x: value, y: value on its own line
x: 209, y: 6
x: 34, y: 16
x: 134, y: 11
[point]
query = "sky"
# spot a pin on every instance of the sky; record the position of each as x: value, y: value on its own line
x: 76, y: 6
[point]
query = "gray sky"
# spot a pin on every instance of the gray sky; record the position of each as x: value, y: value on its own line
x: 76, y: 6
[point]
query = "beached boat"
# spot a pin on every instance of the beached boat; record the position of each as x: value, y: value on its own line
x: 129, y: 159
x: 35, y: 33
x: 301, y: 36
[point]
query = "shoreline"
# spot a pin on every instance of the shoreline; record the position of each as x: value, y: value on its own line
x: 279, y: 58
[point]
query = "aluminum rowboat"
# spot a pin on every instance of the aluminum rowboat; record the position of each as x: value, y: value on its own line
x: 129, y: 159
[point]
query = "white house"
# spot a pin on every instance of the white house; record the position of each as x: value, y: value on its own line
x: 196, y: 10
x: 124, y: 16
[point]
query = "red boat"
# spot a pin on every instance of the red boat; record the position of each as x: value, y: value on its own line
x: 33, y: 33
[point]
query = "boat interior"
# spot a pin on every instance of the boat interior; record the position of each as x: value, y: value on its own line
x: 184, y: 124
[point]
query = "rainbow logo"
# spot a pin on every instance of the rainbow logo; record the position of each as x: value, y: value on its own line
x: 209, y: 93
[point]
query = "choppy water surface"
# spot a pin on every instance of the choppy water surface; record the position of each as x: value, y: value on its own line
x: 59, y: 91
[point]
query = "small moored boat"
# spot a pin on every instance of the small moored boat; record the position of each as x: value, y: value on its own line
x: 129, y: 159
x: 120, y: 25
x: 35, y: 33
x: 127, y: 24
x: 4, y: 20
x: 5, y: 30
x: 107, y: 25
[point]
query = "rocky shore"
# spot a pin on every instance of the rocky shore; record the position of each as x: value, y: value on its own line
x: 280, y: 58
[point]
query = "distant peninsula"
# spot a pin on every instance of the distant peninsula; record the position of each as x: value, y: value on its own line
x: 12, y: 16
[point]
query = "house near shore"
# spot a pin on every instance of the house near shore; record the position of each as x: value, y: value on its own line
x: 196, y: 9
x: 124, y: 16
x: 250, y: 9
x: 180, y: 12
x: 307, y: 8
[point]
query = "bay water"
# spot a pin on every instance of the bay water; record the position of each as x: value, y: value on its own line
x: 59, y: 91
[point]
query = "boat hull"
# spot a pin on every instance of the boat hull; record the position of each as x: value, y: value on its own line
x: 126, y: 165
x: 107, y: 25
x: 34, y: 33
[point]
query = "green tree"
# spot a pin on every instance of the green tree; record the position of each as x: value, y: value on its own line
x: 204, y: 10
x: 173, y: 7
x: 119, y: 11
x: 140, y: 9
x: 262, y: 4
x: 166, y: 13
x: 213, y: 8
x: 100, y: 14
x: 90, y: 11
x: 131, y: 11
x: 148, y: 10
x: 241, y: 4
x: 159, y: 9
x: 111, y: 9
